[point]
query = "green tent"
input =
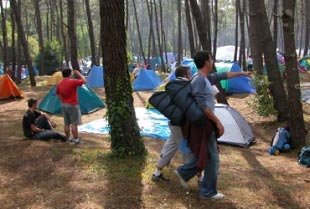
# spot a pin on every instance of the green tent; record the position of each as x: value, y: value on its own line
x: 304, y: 63
x: 88, y: 100
x: 224, y: 67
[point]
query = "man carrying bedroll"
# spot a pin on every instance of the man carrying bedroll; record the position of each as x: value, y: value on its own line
x: 205, y: 143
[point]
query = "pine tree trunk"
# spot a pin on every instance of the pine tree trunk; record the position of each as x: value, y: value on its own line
x: 40, y: 34
x: 4, y: 37
x: 91, y: 34
x: 296, y: 120
x: 124, y: 130
x: 138, y: 30
x: 63, y: 34
x: 189, y: 28
x: 264, y: 44
x: 72, y: 34
x: 24, y: 43
x: 307, y: 35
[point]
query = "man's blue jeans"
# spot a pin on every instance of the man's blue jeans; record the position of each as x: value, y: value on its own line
x: 48, y: 132
x: 208, y: 187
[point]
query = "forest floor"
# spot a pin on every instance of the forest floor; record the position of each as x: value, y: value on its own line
x: 40, y: 175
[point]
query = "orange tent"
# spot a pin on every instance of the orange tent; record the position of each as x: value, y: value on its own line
x: 8, y: 88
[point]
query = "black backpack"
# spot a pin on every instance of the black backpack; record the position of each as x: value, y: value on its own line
x: 304, y: 157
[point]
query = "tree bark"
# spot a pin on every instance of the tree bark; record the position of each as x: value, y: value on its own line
x: 40, y: 33
x: 202, y: 32
x: 138, y: 30
x: 13, y: 55
x: 215, y: 22
x: 124, y: 130
x: 158, y: 38
x: 266, y: 44
x: 24, y: 43
x: 72, y: 34
x: 4, y: 37
x: 180, y: 46
x: 63, y: 34
x: 189, y: 28
x: 237, y: 30
x: 307, y: 35
x: 91, y: 34
x: 296, y: 120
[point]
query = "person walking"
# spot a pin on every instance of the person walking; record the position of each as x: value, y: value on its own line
x: 171, y: 146
x: 37, y: 125
x: 203, y: 139
x: 66, y: 90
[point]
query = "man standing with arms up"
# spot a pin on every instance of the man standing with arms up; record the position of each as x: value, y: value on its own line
x: 67, y: 92
x: 202, y: 144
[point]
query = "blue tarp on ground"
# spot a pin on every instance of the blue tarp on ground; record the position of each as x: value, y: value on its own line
x: 151, y: 121
x: 146, y: 80
x: 88, y: 100
x: 95, y: 77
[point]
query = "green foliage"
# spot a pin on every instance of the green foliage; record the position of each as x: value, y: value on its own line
x: 124, y: 130
x: 51, y: 58
x: 33, y: 46
x: 263, y: 102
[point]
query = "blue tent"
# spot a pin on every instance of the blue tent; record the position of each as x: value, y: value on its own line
x: 146, y: 80
x: 187, y: 62
x: 89, y: 101
x: 36, y: 72
x: 239, y: 84
x: 95, y: 77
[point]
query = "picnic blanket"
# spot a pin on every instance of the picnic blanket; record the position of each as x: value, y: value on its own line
x: 151, y: 121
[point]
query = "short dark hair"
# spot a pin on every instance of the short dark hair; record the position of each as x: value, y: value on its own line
x: 201, y: 57
x: 66, y: 72
x: 181, y: 71
x: 32, y: 102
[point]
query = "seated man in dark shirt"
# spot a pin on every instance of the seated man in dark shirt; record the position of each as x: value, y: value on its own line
x: 37, y: 125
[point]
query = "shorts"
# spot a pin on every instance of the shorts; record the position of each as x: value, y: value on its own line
x: 72, y: 114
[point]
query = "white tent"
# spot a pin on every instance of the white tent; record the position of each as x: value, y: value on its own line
x: 225, y: 53
x: 237, y: 131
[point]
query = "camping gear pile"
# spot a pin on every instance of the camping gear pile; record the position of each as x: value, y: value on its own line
x: 280, y: 141
x: 304, y: 157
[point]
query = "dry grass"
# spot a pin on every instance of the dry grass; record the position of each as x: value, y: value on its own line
x: 38, y: 174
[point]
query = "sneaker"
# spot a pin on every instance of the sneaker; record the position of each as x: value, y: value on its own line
x: 77, y: 141
x: 159, y: 178
x: 182, y: 182
x: 216, y: 196
x: 199, y: 182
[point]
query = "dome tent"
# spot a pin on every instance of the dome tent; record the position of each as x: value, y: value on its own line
x: 88, y: 100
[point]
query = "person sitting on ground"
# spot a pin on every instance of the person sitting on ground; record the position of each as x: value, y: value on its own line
x: 37, y: 125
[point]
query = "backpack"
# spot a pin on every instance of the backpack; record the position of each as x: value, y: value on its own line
x: 304, y: 157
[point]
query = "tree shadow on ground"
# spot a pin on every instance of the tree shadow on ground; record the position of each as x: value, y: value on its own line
x: 278, y: 193
x: 124, y: 181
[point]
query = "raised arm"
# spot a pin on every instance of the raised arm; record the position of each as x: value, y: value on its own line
x: 235, y: 74
x: 79, y: 75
